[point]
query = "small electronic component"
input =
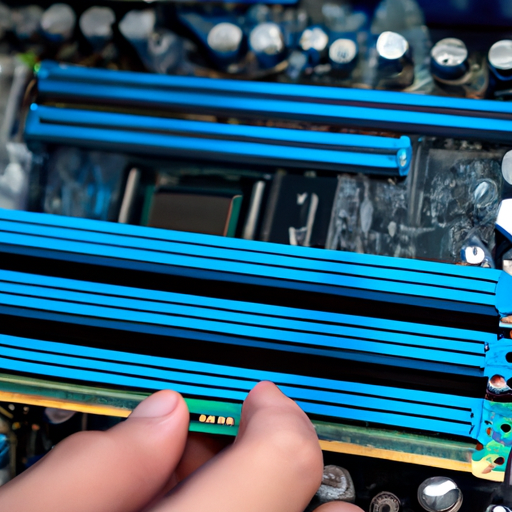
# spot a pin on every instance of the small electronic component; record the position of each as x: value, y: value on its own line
x: 314, y: 42
x: 385, y: 502
x: 395, y: 68
x: 26, y: 21
x: 267, y: 42
x: 58, y: 22
x: 449, y: 59
x: 392, y: 49
x: 96, y: 25
x: 439, y: 494
x: 343, y: 54
x: 500, y: 60
x: 506, y: 167
x: 225, y: 42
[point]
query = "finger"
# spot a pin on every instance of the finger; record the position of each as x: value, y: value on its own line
x: 338, y: 507
x: 200, y: 448
x: 115, y: 471
x: 274, y: 465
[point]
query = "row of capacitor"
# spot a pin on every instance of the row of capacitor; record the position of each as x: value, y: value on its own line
x: 264, y: 38
x: 227, y: 34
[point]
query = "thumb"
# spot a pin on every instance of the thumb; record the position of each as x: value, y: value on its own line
x: 275, y: 464
x: 120, y: 470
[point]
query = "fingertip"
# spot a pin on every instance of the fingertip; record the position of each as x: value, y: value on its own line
x: 265, y: 386
x: 280, y: 427
x: 158, y: 405
x: 266, y: 394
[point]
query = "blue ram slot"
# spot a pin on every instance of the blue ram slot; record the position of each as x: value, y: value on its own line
x: 421, y: 283
x: 404, y: 408
x: 51, y: 72
x: 241, y: 323
x: 400, y: 112
x: 245, y: 144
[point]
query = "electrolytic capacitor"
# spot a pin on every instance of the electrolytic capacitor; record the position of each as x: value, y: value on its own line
x: 258, y: 13
x: 137, y: 27
x: 96, y: 25
x: 314, y: 42
x: 439, y: 494
x: 267, y: 42
x: 27, y: 20
x: 449, y: 59
x: 343, y: 54
x: 506, y: 167
x: 58, y: 22
x: 335, y: 16
x: 500, y: 59
x: 393, y: 51
x: 225, y: 43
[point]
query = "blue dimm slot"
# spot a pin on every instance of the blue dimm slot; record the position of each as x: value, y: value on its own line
x: 404, y: 408
x: 401, y: 112
x: 484, y: 291
x: 241, y: 323
x: 174, y: 137
x: 51, y: 72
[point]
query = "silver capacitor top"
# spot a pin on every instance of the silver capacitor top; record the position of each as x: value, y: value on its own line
x: 314, y: 39
x: 506, y: 167
x: 27, y: 20
x: 500, y: 58
x: 392, y: 46
x: 58, y: 22
x: 97, y: 21
x: 394, y: 56
x: 313, y: 42
x: 449, y: 59
x: 343, y: 53
x: 225, y: 38
x: 266, y: 40
x: 439, y: 494
x: 96, y: 25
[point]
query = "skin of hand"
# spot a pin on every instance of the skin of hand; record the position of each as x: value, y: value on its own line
x: 149, y: 464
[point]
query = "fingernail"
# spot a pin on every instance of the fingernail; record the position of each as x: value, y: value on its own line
x: 156, y: 406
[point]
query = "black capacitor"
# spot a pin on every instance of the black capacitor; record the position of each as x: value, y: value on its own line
x: 449, y: 59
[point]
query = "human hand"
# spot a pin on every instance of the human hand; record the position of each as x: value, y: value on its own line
x: 147, y: 464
